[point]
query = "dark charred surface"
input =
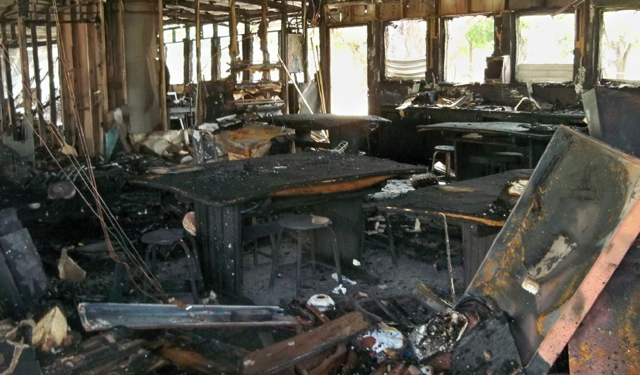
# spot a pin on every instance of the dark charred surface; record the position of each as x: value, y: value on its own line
x: 229, y: 182
x: 472, y: 198
x: 324, y: 121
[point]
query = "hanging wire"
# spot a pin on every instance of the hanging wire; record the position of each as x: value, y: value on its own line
x: 88, y: 178
x: 449, y: 266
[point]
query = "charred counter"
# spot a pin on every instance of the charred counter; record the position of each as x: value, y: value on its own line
x: 479, y: 205
x: 333, y: 185
x: 341, y: 128
x: 476, y: 142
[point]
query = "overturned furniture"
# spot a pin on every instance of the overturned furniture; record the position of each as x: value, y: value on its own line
x: 561, y: 244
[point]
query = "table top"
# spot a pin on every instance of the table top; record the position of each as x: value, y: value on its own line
x: 470, y: 200
x: 230, y: 182
x: 537, y: 131
x: 490, y: 112
x: 323, y: 121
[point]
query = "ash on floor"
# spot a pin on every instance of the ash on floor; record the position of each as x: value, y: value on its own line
x: 422, y: 259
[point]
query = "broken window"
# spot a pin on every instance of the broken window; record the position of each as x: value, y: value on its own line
x: 620, y: 45
x: 469, y: 43
x: 405, y: 44
x: 273, y: 47
x: 545, y: 48
x: 225, y: 59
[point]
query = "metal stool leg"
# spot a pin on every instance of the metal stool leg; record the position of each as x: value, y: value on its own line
x: 434, y: 158
x: 392, y: 246
x: 150, y: 262
x: 194, y: 252
x: 193, y: 272
x: 336, y: 254
x: 313, y: 253
x: 275, y: 258
x: 299, y: 264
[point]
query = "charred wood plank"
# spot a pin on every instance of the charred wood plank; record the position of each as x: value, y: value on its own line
x: 289, y: 352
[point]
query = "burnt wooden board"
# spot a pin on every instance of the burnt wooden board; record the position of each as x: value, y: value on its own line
x: 231, y: 182
x: 287, y: 353
x: 324, y: 121
x: 469, y: 200
x: 494, y: 128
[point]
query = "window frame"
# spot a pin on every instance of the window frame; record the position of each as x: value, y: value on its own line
x: 515, y: 79
x: 383, y: 75
x: 445, y: 45
x: 597, y: 39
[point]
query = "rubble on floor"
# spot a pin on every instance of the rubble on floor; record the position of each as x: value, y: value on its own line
x: 68, y: 307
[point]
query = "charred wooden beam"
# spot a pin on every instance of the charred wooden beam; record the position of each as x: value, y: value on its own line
x: 101, y: 58
x: 19, y: 131
x: 284, y: 52
x: 215, y: 54
x: 67, y: 79
x: 36, y: 76
x: 187, y: 56
x: 162, y: 90
x: 82, y: 92
x: 287, y: 353
x: 200, y: 92
x: 52, y: 88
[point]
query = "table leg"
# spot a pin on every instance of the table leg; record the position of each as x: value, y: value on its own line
x: 219, y: 236
x: 348, y: 225
x: 476, y: 241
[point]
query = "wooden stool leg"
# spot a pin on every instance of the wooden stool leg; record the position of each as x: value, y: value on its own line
x: 447, y: 173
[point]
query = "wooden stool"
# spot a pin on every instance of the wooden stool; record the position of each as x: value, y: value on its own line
x: 447, y: 151
x: 302, y: 223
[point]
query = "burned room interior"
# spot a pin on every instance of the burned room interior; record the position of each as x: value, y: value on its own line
x: 319, y: 187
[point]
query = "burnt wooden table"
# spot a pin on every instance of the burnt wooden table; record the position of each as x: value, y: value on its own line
x: 475, y: 141
x: 333, y: 185
x: 468, y: 203
x: 341, y: 128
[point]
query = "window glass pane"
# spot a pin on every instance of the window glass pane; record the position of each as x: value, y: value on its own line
x: 469, y: 42
x: 207, y: 31
x: 168, y: 36
x: 181, y: 33
x: 175, y: 62
x: 620, y: 45
x: 225, y: 60
x: 223, y: 29
x: 545, y: 48
x: 205, y: 59
x: 406, y: 49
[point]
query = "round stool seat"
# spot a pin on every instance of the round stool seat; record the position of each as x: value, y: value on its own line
x: 444, y: 148
x: 163, y: 237
x: 304, y: 222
